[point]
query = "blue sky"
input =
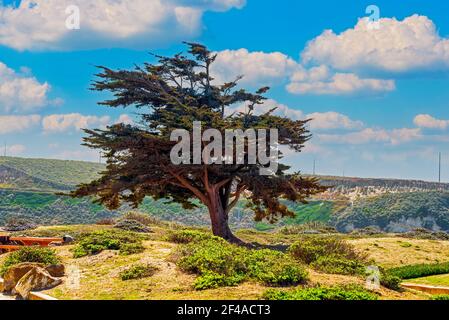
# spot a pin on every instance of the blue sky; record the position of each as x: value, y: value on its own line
x: 379, y: 96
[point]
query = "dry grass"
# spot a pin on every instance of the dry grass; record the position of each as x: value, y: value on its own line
x: 395, y: 251
x: 99, y: 274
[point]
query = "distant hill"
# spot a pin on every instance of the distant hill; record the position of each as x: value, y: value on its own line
x: 28, y: 187
x: 398, y: 212
x: 45, y: 174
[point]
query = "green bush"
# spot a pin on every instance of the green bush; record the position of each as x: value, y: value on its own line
x: 188, y: 236
x: 45, y: 256
x: 138, y: 271
x: 127, y: 249
x: 210, y: 280
x: 97, y: 241
x: 310, y: 249
x: 390, y: 281
x: 335, y: 264
x: 143, y: 218
x: 274, y: 268
x: 420, y: 270
x: 441, y: 297
x: 321, y: 293
x: 219, y: 263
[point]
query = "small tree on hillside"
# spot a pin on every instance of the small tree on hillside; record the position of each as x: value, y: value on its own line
x: 172, y: 94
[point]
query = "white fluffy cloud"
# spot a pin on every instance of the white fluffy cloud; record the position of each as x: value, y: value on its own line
x: 320, y: 80
x: 21, y: 92
x: 429, y: 122
x: 13, y: 124
x: 370, y: 135
x: 332, y: 120
x: 281, y: 109
x: 256, y: 67
x: 397, y: 46
x: 15, y: 150
x: 41, y: 24
x: 72, y: 121
x: 320, y: 120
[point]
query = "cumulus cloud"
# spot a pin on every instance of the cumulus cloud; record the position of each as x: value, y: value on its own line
x: 372, y: 135
x: 282, y: 110
x: 320, y: 120
x: 320, y: 80
x: 21, y: 92
x: 13, y: 124
x: 72, y: 121
x: 397, y: 46
x: 15, y: 150
x: 41, y: 24
x: 429, y: 122
x: 125, y: 119
x: 332, y: 120
x: 256, y: 67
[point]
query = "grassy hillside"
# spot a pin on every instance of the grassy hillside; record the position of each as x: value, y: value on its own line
x: 398, y: 212
x: 45, y: 174
x: 28, y: 186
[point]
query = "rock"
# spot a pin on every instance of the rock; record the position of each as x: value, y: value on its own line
x: 36, y: 279
x: 56, y: 270
x: 15, y: 273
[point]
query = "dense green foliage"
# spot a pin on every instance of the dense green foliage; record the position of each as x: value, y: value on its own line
x: 440, y: 297
x: 328, y: 254
x: 420, y: 270
x: 95, y: 242
x: 322, y: 293
x: 396, y: 211
x: 219, y: 263
x: 138, y: 271
x: 45, y: 256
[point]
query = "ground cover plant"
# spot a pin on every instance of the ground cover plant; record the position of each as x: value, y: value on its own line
x: 219, y: 263
x: 45, y: 256
x: 125, y: 242
x: 348, y: 292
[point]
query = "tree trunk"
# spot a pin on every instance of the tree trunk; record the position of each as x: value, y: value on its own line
x: 220, y: 220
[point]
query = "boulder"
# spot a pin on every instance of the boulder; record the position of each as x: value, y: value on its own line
x: 56, y: 270
x: 16, y: 272
x: 36, y: 279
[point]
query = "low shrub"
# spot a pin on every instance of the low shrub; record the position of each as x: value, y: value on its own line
x: 97, y: 241
x: 440, y: 297
x: 210, y: 280
x: 45, y: 256
x: 18, y: 224
x: 132, y: 225
x: 219, y: 263
x: 138, y: 271
x: 420, y: 270
x: 335, y: 264
x: 188, y: 236
x: 310, y: 249
x: 351, y: 292
x: 426, y: 234
x: 390, y: 281
x: 127, y: 249
x: 106, y: 222
x: 315, y: 227
x: 143, y: 218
